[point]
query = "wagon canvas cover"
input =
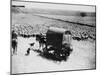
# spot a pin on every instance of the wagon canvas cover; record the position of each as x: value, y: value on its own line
x: 54, y: 39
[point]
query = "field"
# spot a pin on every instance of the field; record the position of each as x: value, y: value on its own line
x: 26, y: 22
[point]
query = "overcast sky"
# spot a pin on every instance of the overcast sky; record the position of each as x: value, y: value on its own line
x: 55, y: 6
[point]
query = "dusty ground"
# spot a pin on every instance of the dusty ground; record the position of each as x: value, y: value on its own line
x: 82, y: 57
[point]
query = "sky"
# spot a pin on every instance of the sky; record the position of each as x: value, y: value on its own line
x: 55, y: 6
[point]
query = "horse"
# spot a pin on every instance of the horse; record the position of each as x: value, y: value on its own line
x: 38, y: 44
x: 42, y: 41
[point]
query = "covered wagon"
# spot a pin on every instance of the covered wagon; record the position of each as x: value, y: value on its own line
x: 58, y: 43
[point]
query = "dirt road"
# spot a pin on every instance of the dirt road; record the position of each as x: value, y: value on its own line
x: 82, y: 57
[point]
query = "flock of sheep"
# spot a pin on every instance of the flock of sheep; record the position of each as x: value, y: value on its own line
x: 36, y: 29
